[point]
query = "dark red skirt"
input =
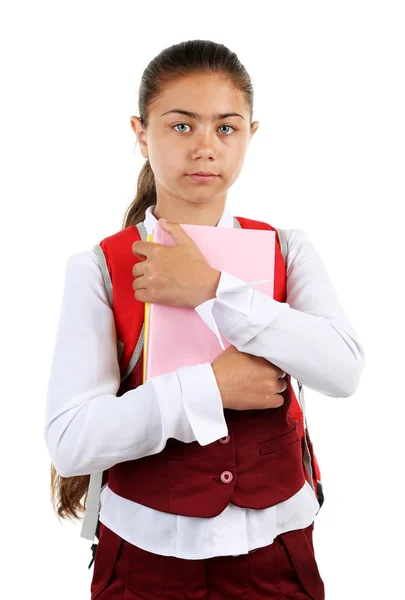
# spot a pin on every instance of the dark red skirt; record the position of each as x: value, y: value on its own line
x: 284, y: 570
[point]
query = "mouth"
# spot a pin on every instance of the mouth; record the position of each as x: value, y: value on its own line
x: 202, y: 177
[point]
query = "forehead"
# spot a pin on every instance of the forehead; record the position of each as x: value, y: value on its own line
x: 205, y: 94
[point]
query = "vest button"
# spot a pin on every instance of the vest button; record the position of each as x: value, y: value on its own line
x: 224, y: 440
x: 226, y: 477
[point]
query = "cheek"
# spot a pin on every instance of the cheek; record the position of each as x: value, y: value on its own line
x: 232, y: 164
x: 166, y: 161
x: 239, y: 159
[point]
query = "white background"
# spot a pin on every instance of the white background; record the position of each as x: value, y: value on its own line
x: 328, y: 158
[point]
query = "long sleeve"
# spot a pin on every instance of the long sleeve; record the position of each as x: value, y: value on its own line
x: 88, y: 428
x: 309, y: 336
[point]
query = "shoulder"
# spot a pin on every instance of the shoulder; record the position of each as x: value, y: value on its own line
x: 83, y: 268
x: 84, y: 278
x: 85, y: 260
x: 296, y: 237
x: 300, y: 249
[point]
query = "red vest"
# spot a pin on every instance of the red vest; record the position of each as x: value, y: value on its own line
x: 258, y: 464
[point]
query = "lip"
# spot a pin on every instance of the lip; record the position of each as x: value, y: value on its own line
x: 202, y: 178
x: 206, y: 173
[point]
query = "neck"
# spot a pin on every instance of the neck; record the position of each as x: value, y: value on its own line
x: 191, y: 213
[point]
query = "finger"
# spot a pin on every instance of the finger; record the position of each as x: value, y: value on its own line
x: 176, y: 231
x: 282, y: 374
x: 141, y: 295
x: 142, y: 248
x: 139, y: 283
x: 139, y: 269
x: 280, y: 400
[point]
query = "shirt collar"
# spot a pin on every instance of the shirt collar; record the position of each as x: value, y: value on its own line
x: 225, y: 221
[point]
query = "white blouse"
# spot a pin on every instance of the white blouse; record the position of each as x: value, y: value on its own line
x: 89, y: 429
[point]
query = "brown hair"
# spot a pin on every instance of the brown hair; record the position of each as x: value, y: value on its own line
x: 179, y: 60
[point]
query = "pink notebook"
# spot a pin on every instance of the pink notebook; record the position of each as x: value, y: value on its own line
x: 177, y: 336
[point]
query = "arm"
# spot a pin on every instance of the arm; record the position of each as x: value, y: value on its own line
x: 87, y: 427
x: 309, y: 336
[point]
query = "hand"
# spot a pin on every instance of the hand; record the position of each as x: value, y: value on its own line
x: 177, y: 275
x: 248, y: 382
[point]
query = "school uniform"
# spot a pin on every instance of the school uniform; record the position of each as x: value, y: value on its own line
x: 194, y: 540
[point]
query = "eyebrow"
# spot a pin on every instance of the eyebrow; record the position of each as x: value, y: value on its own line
x: 194, y: 115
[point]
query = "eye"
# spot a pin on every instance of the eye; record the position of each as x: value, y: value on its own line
x: 229, y: 126
x: 179, y: 124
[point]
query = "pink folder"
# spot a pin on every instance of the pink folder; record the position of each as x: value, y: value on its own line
x: 178, y: 336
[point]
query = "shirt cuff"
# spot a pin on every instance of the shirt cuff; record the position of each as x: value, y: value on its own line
x: 239, y: 311
x: 203, y: 403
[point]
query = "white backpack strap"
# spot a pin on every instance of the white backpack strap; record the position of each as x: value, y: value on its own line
x: 283, y: 243
x: 90, y: 519
x: 307, y: 455
x: 102, y: 263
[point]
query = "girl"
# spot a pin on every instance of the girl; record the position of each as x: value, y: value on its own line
x: 204, y: 492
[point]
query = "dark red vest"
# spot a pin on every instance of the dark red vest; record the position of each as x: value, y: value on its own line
x: 260, y: 462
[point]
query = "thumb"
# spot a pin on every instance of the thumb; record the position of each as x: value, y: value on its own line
x: 178, y: 234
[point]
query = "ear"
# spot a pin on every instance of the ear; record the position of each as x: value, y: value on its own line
x: 140, y: 133
x: 253, y: 128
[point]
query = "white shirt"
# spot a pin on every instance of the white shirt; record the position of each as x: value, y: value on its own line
x: 89, y: 429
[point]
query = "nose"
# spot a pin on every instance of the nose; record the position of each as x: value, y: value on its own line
x: 204, y: 143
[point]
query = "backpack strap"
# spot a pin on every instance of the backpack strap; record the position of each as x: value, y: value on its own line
x: 90, y: 524
x: 90, y: 518
x: 283, y: 243
x: 307, y: 457
x: 301, y: 399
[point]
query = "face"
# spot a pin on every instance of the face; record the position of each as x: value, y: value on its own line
x: 178, y: 144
